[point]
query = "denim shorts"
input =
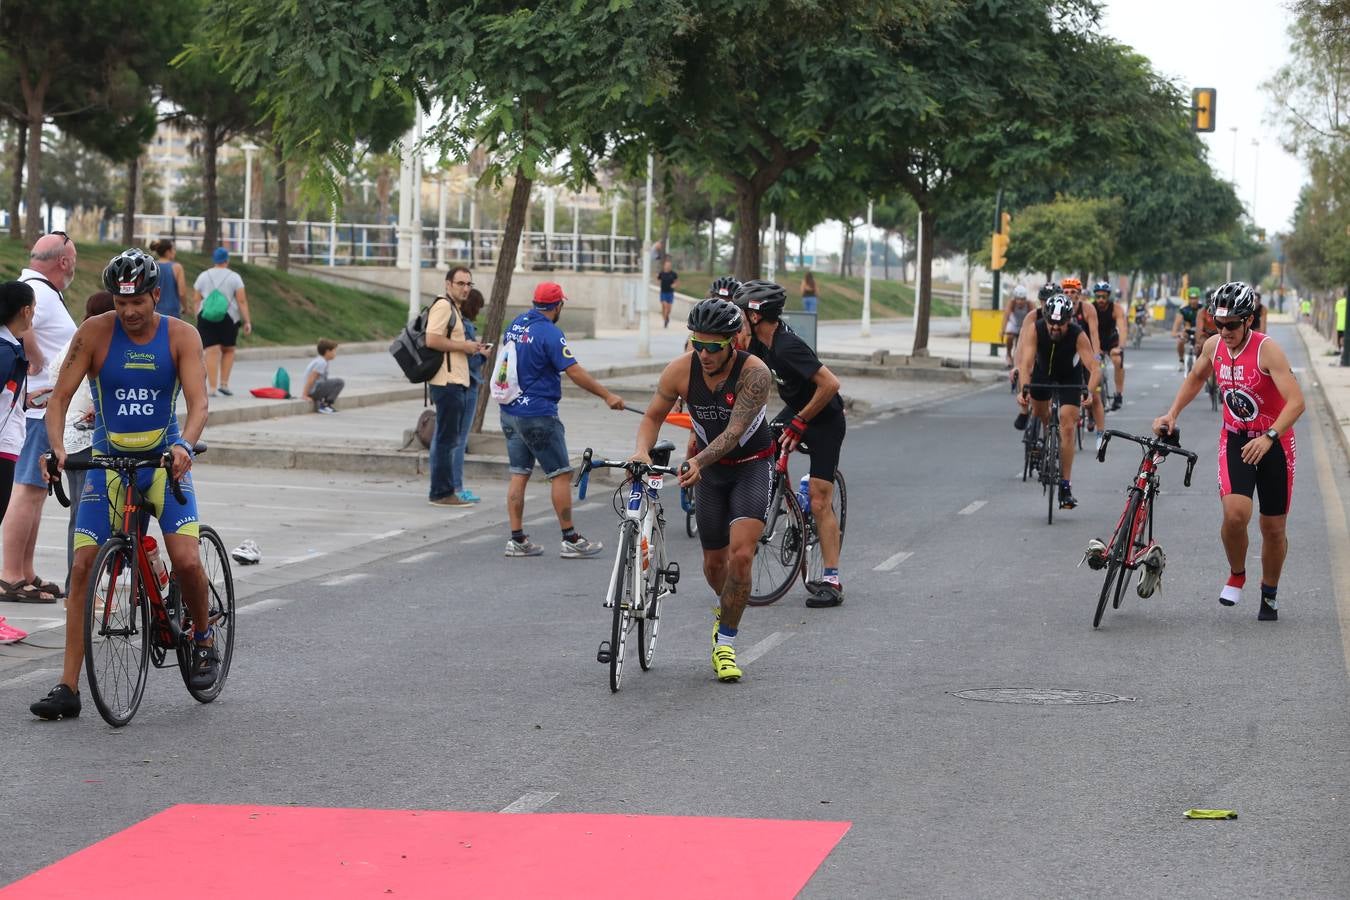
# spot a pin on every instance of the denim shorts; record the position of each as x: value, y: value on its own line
x: 28, y: 470
x: 531, y: 439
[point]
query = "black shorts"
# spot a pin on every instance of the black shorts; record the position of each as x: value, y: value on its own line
x: 224, y: 333
x: 1070, y: 392
x: 1111, y: 342
x: 823, y: 441
x: 727, y: 493
x: 1272, y: 479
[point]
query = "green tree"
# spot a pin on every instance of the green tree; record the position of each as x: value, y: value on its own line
x: 1071, y: 235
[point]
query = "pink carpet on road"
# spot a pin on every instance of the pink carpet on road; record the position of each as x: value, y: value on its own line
x: 262, y: 852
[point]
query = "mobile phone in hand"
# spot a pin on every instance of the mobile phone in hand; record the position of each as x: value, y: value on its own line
x: 487, y: 348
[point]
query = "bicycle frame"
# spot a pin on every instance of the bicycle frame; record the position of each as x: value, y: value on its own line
x: 642, y: 508
x: 1145, y: 485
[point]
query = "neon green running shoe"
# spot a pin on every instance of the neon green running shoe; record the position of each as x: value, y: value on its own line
x: 724, y: 663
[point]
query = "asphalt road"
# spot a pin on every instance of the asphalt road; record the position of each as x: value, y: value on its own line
x: 466, y: 681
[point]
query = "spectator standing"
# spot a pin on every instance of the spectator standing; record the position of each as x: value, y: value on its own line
x: 219, y: 321
x: 669, y: 278
x: 1340, y: 322
x: 450, y: 385
x: 534, y: 432
x: 809, y: 297
x: 320, y: 388
x: 172, y: 281
x: 469, y: 310
x: 17, y: 305
x: 50, y: 271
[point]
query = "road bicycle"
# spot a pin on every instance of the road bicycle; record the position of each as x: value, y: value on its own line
x: 1137, y: 332
x: 1050, y: 464
x: 1190, y: 350
x: 789, y: 547
x: 1132, y: 541
x: 642, y: 576
x: 130, y: 621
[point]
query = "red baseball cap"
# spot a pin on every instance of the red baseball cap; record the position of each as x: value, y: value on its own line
x: 548, y: 293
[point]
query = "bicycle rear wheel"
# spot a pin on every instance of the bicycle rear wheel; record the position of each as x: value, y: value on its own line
x: 623, y: 595
x: 814, y: 570
x: 116, y: 633
x: 778, y: 560
x: 653, y: 583
x: 220, y: 606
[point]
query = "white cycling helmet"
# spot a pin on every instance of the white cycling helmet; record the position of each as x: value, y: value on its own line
x: 1019, y: 293
x: 247, y: 553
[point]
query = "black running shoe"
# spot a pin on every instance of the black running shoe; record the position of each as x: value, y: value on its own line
x: 1066, y: 499
x: 1268, y: 612
x: 60, y: 703
x: 205, y: 666
x: 824, y: 594
x: 1116, y: 403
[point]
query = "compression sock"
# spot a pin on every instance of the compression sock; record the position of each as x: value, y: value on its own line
x: 570, y: 535
x: 1232, y: 591
x: 830, y: 575
x: 726, y: 636
x: 518, y: 536
x: 1270, y: 607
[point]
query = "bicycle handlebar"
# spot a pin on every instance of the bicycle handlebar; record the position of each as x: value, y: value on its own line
x: 121, y: 464
x: 634, y: 468
x: 1165, y: 445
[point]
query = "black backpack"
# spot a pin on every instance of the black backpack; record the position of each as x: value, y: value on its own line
x: 418, y: 361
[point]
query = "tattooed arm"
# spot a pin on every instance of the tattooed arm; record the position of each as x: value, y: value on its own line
x: 751, y: 398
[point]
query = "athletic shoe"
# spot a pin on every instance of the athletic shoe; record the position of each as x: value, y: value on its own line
x: 205, y: 666
x: 1116, y: 403
x: 60, y: 703
x: 580, y: 548
x: 1066, y: 499
x: 449, y: 500
x: 470, y: 497
x: 247, y: 553
x: 824, y: 594
x: 1153, y: 561
x: 1094, y: 555
x: 9, y: 634
x: 226, y: 391
x: 1269, y: 612
x: 1230, y: 594
x: 724, y: 663
x: 523, y: 548
x: 1181, y: 367
x: 325, y: 410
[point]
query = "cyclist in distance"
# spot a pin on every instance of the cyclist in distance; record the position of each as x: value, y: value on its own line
x: 1261, y: 403
x: 1187, y: 318
x: 1013, y: 316
x: 1259, y: 317
x: 726, y: 391
x: 137, y: 362
x: 1054, y: 352
x: 1111, y: 326
x: 813, y: 417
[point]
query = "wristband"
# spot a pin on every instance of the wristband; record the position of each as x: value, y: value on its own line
x: 186, y: 446
x: 797, y: 426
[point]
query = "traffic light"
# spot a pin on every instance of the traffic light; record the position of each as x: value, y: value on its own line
x: 999, y: 252
x: 1275, y: 268
x: 1006, y: 228
x: 1202, y: 108
x: 1261, y: 235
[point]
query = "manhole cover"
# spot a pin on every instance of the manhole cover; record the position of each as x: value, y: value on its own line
x: 1038, y: 696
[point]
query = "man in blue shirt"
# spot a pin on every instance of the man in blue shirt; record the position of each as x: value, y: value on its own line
x: 530, y: 422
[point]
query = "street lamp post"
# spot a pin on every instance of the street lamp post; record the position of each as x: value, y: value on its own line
x: 1232, y: 177
x: 1256, y: 172
x: 866, y: 330
x: 249, y: 149
x: 644, y: 347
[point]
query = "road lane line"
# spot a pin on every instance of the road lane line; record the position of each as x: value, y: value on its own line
x: 529, y: 802
x: 973, y: 508
x: 269, y: 603
x: 481, y: 538
x: 893, y: 561
x: 1337, y: 535
x: 344, y: 579
x: 38, y: 675
x: 764, y: 646
x: 418, y: 557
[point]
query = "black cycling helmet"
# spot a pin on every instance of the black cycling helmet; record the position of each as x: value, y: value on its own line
x: 1235, y: 299
x: 725, y: 287
x: 1101, y: 287
x: 715, y: 316
x: 1048, y: 290
x: 1058, y: 310
x: 131, y: 272
x: 763, y: 297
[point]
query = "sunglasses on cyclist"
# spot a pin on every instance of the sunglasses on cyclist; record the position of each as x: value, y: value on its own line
x: 1231, y: 324
x: 709, y: 346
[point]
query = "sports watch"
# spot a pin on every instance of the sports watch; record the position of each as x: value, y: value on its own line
x: 1273, y: 435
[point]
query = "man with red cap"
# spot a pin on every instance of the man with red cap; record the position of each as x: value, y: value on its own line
x: 528, y: 373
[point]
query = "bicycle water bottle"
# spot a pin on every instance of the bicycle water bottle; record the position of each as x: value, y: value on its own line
x: 157, y: 566
x: 804, y: 495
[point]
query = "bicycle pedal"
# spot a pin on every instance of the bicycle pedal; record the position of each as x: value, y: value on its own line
x: 672, y: 575
x: 603, y: 654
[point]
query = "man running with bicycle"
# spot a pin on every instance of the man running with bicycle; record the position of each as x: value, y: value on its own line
x: 813, y: 418
x: 725, y: 391
x: 137, y: 361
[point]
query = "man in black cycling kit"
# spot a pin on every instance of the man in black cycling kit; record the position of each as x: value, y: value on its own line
x: 726, y: 391
x: 813, y: 417
x: 1053, y: 353
x: 1110, y: 327
x: 1184, y: 325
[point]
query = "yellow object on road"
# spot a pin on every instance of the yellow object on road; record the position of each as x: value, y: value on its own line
x: 1210, y: 814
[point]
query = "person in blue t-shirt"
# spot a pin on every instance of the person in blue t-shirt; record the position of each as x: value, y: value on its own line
x: 533, y: 431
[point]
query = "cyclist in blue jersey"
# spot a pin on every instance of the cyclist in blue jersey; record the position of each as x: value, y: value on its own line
x: 137, y: 361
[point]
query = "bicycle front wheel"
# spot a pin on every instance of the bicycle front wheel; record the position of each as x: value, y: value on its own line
x: 1116, y: 555
x: 1050, y: 469
x: 220, y: 612
x: 116, y: 633
x: 782, y: 546
x: 814, y: 570
x: 623, y: 593
x: 653, y: 583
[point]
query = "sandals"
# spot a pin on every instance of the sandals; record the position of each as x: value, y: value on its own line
x: 23, y: 592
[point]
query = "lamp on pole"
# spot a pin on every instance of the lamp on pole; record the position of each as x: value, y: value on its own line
x: 249, y: 149
x: 866, y: 330
x: 415, y: 222
x: 644, y: 347
x: 1232, y: 177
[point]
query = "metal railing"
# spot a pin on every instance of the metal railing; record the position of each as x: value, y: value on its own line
x: 363, y: 243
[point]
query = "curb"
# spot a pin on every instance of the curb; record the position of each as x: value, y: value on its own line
x: 1332, y: 415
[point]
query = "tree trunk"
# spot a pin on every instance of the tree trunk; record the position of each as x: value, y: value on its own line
x: 665, y: 231
x: 780, y: 251
x: 384, y: 189
x: 33, y: 190
x: 1129, y: 297
x: 129, y: 215
x: 211, y: 225
x: 926, y: 277
x: 886, y: 255
x: 712, y: 246
x: 283, y: 212
x: 801, y: 251
x: 747, y: 260
x: 16, y: 180
x: 501, y: 286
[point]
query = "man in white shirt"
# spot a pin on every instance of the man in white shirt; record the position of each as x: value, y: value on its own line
x: 50, y: 271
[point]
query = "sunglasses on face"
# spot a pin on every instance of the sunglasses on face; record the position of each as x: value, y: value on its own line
x: 709, y: 346
x: 1231, y: 324
x: 467, y: 284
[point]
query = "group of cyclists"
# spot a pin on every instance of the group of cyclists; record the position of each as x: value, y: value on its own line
x: 1194, y: 324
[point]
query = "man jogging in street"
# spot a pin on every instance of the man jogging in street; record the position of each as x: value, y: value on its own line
x: 1261, y: 403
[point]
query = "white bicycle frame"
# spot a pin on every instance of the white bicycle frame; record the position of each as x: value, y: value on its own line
x: 642, y: 506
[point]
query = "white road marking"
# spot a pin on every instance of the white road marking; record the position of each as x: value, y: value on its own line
x: 305, y: 487
x: 418, y: 557
x: 973, y: 508
x: 529, y: 802
x: 765, y: 646
x: 893, y: 561
x: 287, y: 560
x: 344, y: 579
x: 269, y: 603
x: 480, y: 538
x: 36, y: 675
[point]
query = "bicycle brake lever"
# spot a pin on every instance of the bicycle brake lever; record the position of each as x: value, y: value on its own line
x: 1190, y: 467
x: 1101, y: 451
x: 54, y: 486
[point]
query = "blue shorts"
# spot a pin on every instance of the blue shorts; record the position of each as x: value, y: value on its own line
x: 667, y: 297
x: 28, y: 470
x: 100, y: 514
x: 531, y: 439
